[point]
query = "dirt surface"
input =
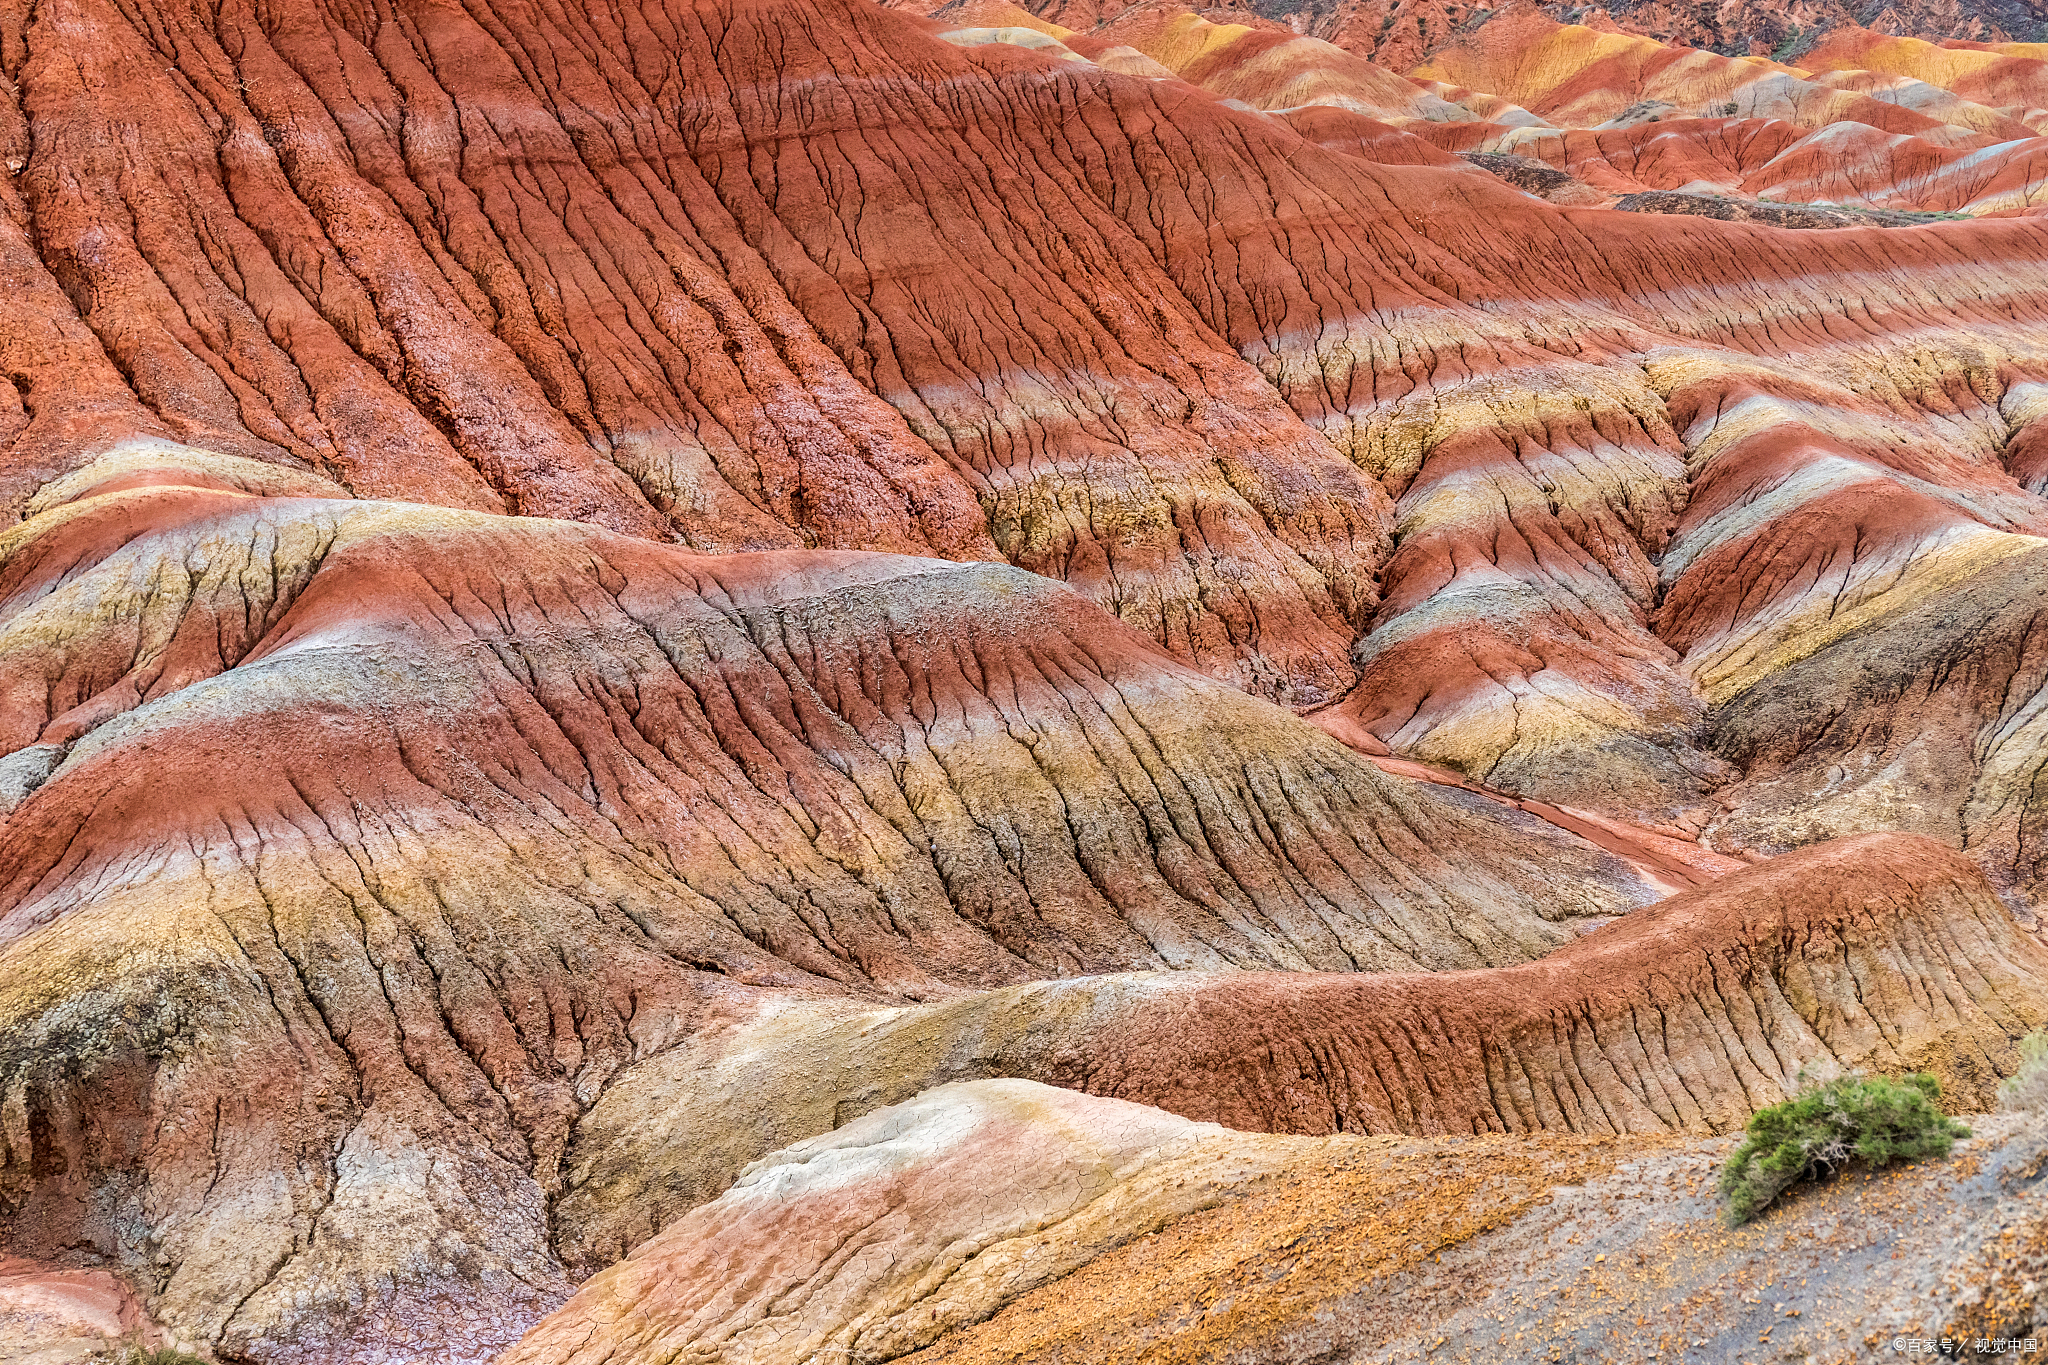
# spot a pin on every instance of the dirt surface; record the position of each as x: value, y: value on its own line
x: 1551, y: 1250
x: 53, y: 1315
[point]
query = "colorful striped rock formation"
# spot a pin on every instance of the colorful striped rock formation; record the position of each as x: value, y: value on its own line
x: 363, y: 842
x: 637, y: 644
x: 1679, y: 1018
x: 1905, y: 130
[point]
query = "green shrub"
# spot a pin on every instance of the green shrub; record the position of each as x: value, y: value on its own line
x: 162, y: 1355
x: 1823, y: 1127
x: 2027, y: 1091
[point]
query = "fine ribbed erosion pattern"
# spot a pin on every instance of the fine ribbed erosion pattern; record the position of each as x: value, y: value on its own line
x: 594, y: 595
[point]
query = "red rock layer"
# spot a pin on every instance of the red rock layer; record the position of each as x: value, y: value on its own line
x: 1688, y: 1014
x: 1885, y: 952
x: 1577, y: 76
x: 1401, y: 34
x: 1512, y: 626
x: 2012, y: 77
x: 1097, y: 325
x: 1769, y: 159
x: 350, y: 847
x: 592, y: 303
x: 1267, y: 69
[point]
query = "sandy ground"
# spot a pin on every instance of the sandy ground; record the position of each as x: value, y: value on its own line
x: 1456, y: 1250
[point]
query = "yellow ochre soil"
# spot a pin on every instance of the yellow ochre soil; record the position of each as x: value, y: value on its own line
x: 1554, y: 1249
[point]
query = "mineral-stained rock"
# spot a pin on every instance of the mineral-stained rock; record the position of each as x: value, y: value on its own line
x: 1885, y: 951
x: 560, y: 563
x: 1844, y: 547
x: 1533, y: 177
x: 872, y: 1240
x: 1573, y: 75
x: 1942, y: 726
x: 2011, y: 77
x: 368, y: 840
x: 1888, y: 952
x: 1843, y: 175
x: 1182, y: 371
x: 1401, y: 33
x: 52, y: 1315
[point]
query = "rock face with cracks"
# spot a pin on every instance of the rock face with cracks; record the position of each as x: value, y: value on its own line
x: 905, y: 1224
x: 1886, y: 952
x: 592, y: 593
x: 364, y: 842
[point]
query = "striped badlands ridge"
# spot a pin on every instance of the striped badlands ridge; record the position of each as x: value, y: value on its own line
x: 984, y: 302
x: 363, y: 843
x: 561, y: 562
x: 1574, y: 76
x: 1622, y: 113
x: 2008, y: 76
x: 1687, y: 1015
x: 1886, y: 951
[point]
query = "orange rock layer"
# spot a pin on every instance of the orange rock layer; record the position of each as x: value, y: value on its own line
x: 562, y: 558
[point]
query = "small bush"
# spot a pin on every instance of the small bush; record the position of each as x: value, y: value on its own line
x: 162, y: 1355
x: 2027, y: 1091
x: 1823, y: 1127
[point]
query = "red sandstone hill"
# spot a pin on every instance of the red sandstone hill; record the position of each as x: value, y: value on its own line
x: 1402, y: 33
x: 593, y: 596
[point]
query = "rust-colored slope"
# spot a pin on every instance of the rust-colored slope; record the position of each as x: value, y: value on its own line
x: 368, y: 281
x: 1886, y: 952
x: 1512, y: 626
x: 1692, y: 121
x: 1340, y: 130
x: 1049, y: 327
x: 356, y: 837
x: 350, y: 847
x: 1844, y: 163
x: 1577, y: 76
x: 1269, y: 70
x: 1822, y: 546
x: 2011, y: 77
x: 1400, y: 34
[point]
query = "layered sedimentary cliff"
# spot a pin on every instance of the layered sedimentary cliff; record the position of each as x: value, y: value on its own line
x: 593, y: 594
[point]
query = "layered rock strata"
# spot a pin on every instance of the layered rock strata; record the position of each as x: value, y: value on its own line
x: 876, y: 1239
x: 1885, y: 952
x: 562, y: 560
x: 352, y: 848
